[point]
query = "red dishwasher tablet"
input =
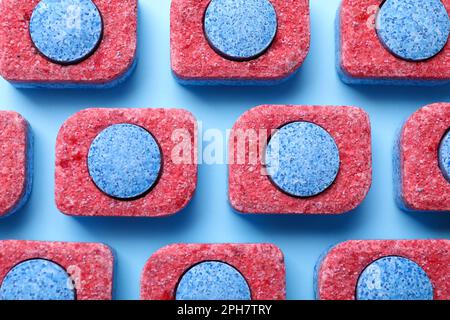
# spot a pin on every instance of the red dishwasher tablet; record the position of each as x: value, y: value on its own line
x: 16, y: 161
x: 385, y: 270
x: 215, y: 272
x: 300, y: 160
x: 126, y: 162
x: 34, y: 270
x: 209, y: 46
x: 394, y: 42
x: 34, y: 55
x: 422, y: 160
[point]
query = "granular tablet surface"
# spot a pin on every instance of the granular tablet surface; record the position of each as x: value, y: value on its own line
x: 213, y: 280
x: 124, y: 161
x: 394, y: 278
x: 240, y: 29
x: 66, y: 31
x: 413, y: 30
x: 302, y: 159
x: 37, y: 279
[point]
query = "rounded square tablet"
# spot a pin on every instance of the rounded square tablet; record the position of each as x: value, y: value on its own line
x: 99, y: 49
x: 342, y: 272
x: 321, y: 163
x: 16, y: 161
x: 126, y: 162
x: 421, y: 160
x: 55, y: 270
x: 196, y: 58
x: 189, y: 271
x: 370, y: 56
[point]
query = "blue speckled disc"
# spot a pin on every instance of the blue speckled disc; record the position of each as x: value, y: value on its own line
x: 412, y: 29
x: 124, y: 161
x: 213, y: 280
x: 66, y: 31
x: 37, y: 279
x: 444, y: 156
x: 394, y: 278
x: 302, y: 159
x: 240, y: 29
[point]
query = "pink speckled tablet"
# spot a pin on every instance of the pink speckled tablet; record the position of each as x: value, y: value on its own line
x: 194, y: 61
x: 421, y: 184
x: 90, y: 265
x: 363, y: 58
x: 173, y: 130
x: 262, y: 265
x: 16, y: 150
x: 252, y: 191
x: 112, y: 62
x: 338, y: 272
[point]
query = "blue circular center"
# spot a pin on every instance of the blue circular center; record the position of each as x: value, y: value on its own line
x: 124, y: 161
x: 66, y: 31
x: 394, y: 278
x: 444, y: 156
x: 212, y: 280
x: 37, y: 279
x: 302, y: 159
x: 412, y: 29
x: 240, y: 29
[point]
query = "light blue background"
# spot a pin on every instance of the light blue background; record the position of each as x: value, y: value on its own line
x: 209, y: 218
